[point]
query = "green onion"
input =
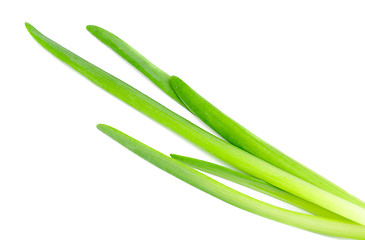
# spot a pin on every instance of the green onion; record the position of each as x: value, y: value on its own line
x: 156, y: 75
x: 218, y: 121
x: 244, y: 139
x: 255, y: 184
x: 210, y: 143
x: 183, y: 172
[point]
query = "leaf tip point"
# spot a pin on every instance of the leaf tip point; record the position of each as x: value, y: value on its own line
x: 28, y: 25
x: 91, y: 28
x: 101, y: 127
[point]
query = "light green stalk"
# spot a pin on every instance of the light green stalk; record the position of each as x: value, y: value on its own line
x: 255, y: 184
x: 212, y: 144
x: 187, y: 174
x: 244, y: 139
x: 218, y: 121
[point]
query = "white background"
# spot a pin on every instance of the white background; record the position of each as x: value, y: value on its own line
x: 290, y: 71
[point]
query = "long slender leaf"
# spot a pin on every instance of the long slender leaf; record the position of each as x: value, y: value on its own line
x: 233, y: 197
x: 255, y: 184
x: 156, y: 75
x: 218, y: 121
x: 244, y: 139
x: 212, y: 144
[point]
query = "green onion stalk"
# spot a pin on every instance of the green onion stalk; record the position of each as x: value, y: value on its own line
x: 229, y: 129
x: 231, y: 154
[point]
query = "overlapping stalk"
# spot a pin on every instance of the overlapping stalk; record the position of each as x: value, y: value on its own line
x: 217, y: 120
x: 189, y: 175
x: 223, y: 150
x: 255, y: 184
